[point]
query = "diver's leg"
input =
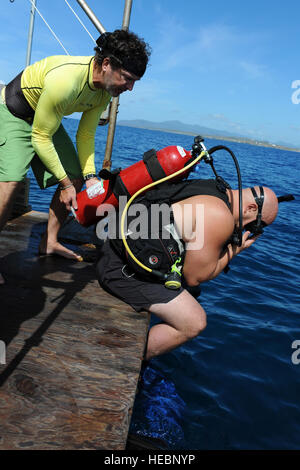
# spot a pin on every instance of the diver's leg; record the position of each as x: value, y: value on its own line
x: 8, y: 192
x: 183, y: 318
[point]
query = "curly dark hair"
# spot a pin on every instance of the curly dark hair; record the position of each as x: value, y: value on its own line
x: 124, y: 49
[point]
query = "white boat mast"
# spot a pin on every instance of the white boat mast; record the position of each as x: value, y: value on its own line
x: 30, y: 32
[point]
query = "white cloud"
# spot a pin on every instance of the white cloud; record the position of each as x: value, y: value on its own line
x: 224, y: 120
x: 220, y: 117
x: 149, y: 97
x: 220, y: 121
x: 212, y: 36
x: 208, y: 48
x: 253, y: 70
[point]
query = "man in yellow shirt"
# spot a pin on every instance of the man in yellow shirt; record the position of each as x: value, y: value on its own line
x: 31, y: 134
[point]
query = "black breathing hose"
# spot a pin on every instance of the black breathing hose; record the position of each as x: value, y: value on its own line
x: 223, y: 147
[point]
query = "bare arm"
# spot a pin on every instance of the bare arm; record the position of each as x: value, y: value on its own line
x: 231, y: 251
x: 203, y: 265
x: 212, y: 227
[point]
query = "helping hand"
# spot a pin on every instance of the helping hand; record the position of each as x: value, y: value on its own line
x: 68, y: 197
x: 91, y: 182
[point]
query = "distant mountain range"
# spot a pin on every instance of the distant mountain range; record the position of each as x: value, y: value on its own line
x: 194, y: 129
x: 175, y: 126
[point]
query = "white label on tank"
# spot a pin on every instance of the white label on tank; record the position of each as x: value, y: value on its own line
x: 95, y: 190
x: 181, y: 151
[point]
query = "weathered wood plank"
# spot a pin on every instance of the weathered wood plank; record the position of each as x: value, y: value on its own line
x: 73, y: 351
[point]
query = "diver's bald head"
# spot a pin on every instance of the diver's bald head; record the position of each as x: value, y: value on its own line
x: 270, y: 207
x: 270, y: 203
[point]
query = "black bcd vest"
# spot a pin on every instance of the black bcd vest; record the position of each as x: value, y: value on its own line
x: 157, y: 245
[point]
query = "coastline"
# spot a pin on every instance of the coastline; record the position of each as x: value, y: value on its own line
x: 239, y: 140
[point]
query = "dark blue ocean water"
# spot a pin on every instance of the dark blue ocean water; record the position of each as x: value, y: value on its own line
x: 235, y: 386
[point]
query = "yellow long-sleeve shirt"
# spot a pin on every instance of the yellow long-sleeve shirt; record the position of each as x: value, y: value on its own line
x: 58, y: 86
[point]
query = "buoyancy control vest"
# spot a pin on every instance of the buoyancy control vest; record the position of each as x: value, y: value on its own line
x: 152, y: 236
x: 16, y: 101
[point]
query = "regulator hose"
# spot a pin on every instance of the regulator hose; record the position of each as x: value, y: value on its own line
x: 223, y: 147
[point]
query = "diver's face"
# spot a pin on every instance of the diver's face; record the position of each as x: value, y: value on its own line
x: 116, y: 81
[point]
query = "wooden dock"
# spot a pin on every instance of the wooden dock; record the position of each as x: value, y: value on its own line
x: 73, y: 352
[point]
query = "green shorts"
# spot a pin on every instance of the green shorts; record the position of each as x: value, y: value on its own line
x: 17, y: 153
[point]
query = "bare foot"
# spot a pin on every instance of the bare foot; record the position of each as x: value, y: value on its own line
x: 2, y: 280
x: 59, y: 250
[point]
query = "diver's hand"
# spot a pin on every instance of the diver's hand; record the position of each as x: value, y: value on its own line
x: 246, y: 243
x: 91, y: 182
x: 67, y: 196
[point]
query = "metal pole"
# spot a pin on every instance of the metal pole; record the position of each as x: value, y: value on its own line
x: 127, y: 13
x: 115, y: 101
x: 91, y: 16
x: 30, y: 32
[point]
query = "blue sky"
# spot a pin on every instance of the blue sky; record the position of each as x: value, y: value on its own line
x: 227, y: 65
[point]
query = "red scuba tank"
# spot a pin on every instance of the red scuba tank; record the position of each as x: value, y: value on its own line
x: 154, y: 166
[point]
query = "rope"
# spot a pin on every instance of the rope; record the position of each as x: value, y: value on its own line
x: 49, y: 27
x: 80, y: 21
x: 51, y: 30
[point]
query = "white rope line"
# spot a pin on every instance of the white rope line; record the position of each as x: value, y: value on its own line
x: 80, y: 21
x: 49, y: 27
